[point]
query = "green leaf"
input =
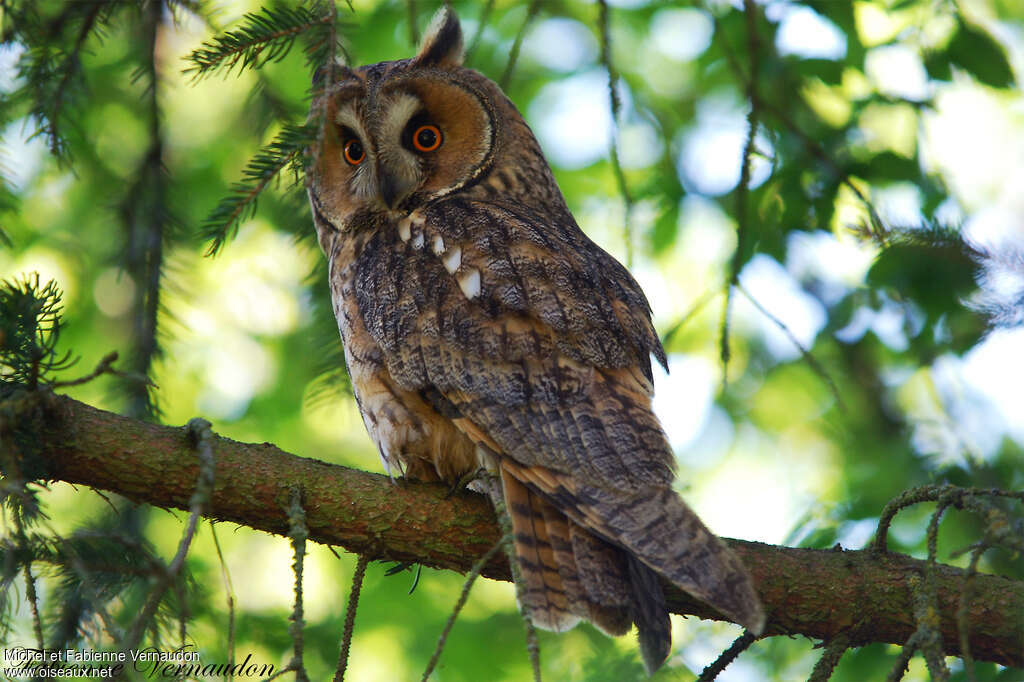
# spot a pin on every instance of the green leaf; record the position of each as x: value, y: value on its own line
x: 842, y: 15
x: 937, y: 64
x: 666, y: 227
x: 887, y: 167
x: 979, y: 54
x: 829, y: 71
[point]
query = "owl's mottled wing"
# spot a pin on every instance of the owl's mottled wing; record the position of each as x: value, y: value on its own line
x: 529, y: 330
x: 538, y: 344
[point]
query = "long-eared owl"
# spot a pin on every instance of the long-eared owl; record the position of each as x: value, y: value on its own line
x: 483, y: 330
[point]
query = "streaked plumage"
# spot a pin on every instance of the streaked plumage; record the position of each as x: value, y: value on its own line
x: 483, y: 328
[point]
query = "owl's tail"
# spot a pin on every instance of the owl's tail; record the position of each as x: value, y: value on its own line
x: 568, y: 574
x: 597, y: 556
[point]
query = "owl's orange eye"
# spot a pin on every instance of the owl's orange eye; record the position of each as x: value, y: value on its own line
x: 426, y: 138
x: 354, y: 152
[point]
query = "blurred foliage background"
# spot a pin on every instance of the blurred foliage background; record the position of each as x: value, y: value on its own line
x: 840, y: 285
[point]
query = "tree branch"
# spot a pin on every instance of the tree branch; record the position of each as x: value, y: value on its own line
x: 861, y: 595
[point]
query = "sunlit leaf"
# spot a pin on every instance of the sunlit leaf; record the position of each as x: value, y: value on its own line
x: 978, y: 53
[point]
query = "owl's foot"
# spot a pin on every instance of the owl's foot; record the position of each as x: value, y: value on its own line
x: 465, y: 482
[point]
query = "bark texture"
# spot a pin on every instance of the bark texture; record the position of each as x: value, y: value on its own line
x: 864, y: 595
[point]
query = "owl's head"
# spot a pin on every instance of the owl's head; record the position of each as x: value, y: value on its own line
x: 401, y: 134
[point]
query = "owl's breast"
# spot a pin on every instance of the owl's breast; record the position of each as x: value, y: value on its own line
x: 412, y: 437
x: 433, y: 296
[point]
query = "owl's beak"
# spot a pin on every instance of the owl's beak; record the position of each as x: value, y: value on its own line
x: 392, y: 188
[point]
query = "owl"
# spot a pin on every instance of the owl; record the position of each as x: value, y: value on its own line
x: 484, y: 332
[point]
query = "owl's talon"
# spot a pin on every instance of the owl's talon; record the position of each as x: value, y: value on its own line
x: 461, y: 484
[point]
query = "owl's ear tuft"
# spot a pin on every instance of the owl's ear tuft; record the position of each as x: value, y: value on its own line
x: 442, y: 44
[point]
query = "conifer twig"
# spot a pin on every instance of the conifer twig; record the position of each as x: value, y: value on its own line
x: 350, y: 617
x: 202, y: 438
x: 715, y: 668
x: 229, y: 590
x: 298, y: 533
x: 286, y: 149
x: 805, y: 353
x: 471, y: 577
x: 263, y: 37
x: 146, y: 217
x: 513, y: 55
x: 616, y: 107
x: 105, y: 366
x: 485, y: 15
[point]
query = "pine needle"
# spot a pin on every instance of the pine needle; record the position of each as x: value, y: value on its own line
x: 287, y: 148
x: 263, y: 37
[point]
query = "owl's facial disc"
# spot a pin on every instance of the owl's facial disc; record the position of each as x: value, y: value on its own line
x: 399, y: 135
x: 387, y: 140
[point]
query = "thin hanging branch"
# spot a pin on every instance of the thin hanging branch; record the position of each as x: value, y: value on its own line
x: 229, y: 592
x: 298, y: 533
x: 201, y: 437
x: 414, y: 32
x: 30, y: 580
x: 146, y: 216
x: 506, y: 541
x: 741, y: 644
x: 471, y: 577
x: 962, y: 620
x: 742, y: 190
x: 694, y: 309
x: 485, y: 16
x: 749, y: 83
x: 513, y: 55
x: 350, y: 617
x: 805, y: 353
x: 826, y: 665
x: 616, y: 107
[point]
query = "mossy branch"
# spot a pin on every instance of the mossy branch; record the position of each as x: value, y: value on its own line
x: 822, y: 594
